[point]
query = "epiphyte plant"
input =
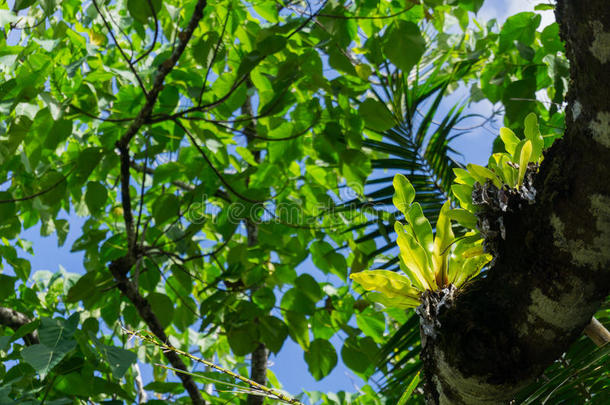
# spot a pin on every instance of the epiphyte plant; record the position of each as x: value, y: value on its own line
x: 438, y: 260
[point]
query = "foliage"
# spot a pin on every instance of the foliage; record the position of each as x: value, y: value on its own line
x: 209, y: 152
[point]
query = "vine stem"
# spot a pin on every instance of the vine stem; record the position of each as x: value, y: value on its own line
x: 253, y: 384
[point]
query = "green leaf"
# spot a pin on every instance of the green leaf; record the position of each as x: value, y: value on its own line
x: 463, y: 217
x: 8, y: 209
x: 321, y: 358
x: 22, y: 4
x: 481, y: 174
x: 166, y: 207
x: 162, y: 306
x: 376, y: 115
x: 56, y: 342
x: 118, y: 359
x: 264, y: 298
x: 532, y: 132
x: 371, y: 323
x: 95, y: 196
x: 297, y: 301
x: 404, y: 193
x: 519, y: 27
x: 524, y: 158
x: 327, y: 259
x: 309, y: 286
x: 359, y: 353
x: 404, y: 45
x: 243, y: 339
x: 409, y: 391
x: 7, y: 286
x: 510, y: 139
x: 298, y: 328
x: 544, y: 6
x: 273, y: 332
x: 140, y: 9
x: 420, y: 225
x: 415, y: 258
x: 442, y: 242
x: 386, y: 282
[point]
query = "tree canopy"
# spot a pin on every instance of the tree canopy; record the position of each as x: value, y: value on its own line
x: 209, y: 148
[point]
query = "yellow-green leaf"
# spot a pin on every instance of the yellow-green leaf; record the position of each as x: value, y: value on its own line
x: 463, y: 217
x: 463, y: 177
x: 510, y: 140
x: 442, y: 241
x: 393, y: 302
x: 481, y: 174
x: 415, y: 258
x: 404, y: 193
x: 532, y: 132
x: 524, y: 158
x: 421, y: 226
x: 387, y: 282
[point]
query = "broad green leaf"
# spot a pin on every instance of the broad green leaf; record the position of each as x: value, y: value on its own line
x: 309, y: 286
x: 442, y: 242
x: 8, y: 208
x: 482, y: 174
x: 95, y: 196
x: 140, y: 9
x: 532, y: 132
x: 519, y: 27
x: 415, y: 258
x: 393, y: 302
x: 404, y: 45
x: 273, y: 333
x: 297, y: 301
x: 243, y: 339
x: 298, y: 328
x: 376, y: 115
x: 404, y: 193
x: 524, y: 158
x: 358, y: 353
x: 463, y: 177
x: 470, y: 268
x: 421, y: 226
x: 56, y: 342
x: 463, y: 217
x: 166, y: 207
x: 264, y: 298
x: 118, y: 359
x: 387, y: 282
x: 162, y: 307
x: 22, y: 4
x: 321, y: 358
x: 510, y: 139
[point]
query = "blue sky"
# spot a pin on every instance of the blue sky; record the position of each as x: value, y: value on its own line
x: 289, y: 365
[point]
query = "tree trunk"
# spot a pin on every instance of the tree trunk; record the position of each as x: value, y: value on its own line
x: 553, y: 270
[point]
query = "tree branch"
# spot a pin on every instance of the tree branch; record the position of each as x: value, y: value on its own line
x: 119, y: 269
x: 14, y: 320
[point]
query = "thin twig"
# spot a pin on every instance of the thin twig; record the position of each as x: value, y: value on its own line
x: 253, y: 384
x: 128, y: 60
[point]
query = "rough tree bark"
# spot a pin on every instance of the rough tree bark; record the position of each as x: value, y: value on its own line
x: 259, y: 357
x: 553, y: 270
